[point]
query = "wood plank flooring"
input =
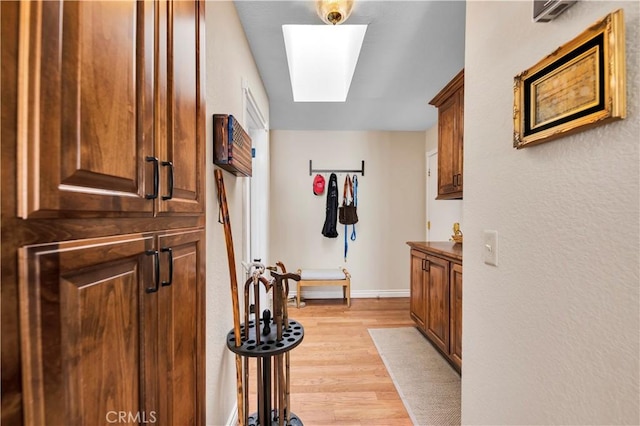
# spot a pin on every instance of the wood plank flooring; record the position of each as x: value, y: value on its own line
x: 337, y: 376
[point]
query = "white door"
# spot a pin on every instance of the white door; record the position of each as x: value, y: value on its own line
x: 260, y: 197
x: 256, y: 189
x: 441, y: 214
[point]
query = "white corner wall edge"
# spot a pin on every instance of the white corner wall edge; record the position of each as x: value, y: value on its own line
x: 357, y: 294
x: 233, y: 417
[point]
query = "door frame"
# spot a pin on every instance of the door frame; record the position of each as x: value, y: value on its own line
x: 255, y: 190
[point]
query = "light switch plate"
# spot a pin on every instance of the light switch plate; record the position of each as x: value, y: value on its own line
x: 490, y: 248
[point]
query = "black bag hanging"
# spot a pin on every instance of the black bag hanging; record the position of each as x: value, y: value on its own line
x: 348, y: 210
x: 329, y: 229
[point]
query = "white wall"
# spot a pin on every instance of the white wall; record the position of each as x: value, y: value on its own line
x: 551, y: 335
x: 441, y: 213
x: 391, y: 205
x: 431, y: 138
x: 229, y: 60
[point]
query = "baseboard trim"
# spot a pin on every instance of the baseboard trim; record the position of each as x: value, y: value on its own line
x: 309, y: 293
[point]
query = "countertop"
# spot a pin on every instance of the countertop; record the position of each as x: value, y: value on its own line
x: 447, y: 249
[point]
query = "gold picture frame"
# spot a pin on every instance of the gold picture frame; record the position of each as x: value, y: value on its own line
x: 578, y: 86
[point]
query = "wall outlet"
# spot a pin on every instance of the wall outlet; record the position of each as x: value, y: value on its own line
x: 490, y: 248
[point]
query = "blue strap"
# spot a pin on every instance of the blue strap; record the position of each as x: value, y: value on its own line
x: 346, y: 243
x: 355, y: 190
x: 353, y: 229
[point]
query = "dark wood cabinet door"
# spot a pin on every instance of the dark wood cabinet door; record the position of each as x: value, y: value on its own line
x: 181, y: 328
x: 437, y: 320
x: 181, y: 147
x: 450, y: 104
x: 447, y: 155
x: 458, y: 150
x: 417, y: 301
x: 83, y: 337
x: 455, y: 349
x: 85, y: 109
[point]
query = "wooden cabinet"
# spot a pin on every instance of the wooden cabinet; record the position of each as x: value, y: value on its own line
x: 417, y: 305
x: 180, y: 320
x: 182, y: 147
x: 111, y: 114
x: 436, y: 296
x: 437, y: 301
x: 455, y: 334
x: 450, y: 104
x: 103, y: 212
x: 112, y: 322
x: 83, y: 332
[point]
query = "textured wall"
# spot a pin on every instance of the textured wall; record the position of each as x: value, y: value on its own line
x: 551, y: 335
x: 431, y: 138
x: 391, y: 204
x: 229, y: 60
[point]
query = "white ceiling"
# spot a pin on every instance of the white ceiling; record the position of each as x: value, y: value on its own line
x: 410, y: 51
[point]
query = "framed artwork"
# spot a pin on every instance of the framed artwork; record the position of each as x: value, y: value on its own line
x: 578, y: 86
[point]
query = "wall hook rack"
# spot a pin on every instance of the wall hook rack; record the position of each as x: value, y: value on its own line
x: 312, y: 170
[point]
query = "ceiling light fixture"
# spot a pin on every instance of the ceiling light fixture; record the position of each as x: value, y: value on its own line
x: 334, y: 11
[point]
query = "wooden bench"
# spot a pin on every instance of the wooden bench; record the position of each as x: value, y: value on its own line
x: 325, y: 277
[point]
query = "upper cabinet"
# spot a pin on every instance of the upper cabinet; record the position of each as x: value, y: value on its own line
x: 450, y: 104
x: 182, y: 104
x: 103, y: 158
x: 110, y: 108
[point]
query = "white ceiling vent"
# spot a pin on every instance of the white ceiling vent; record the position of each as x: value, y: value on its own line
x: 547, y: 10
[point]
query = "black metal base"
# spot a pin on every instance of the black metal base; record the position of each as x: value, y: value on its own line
x: 293, y: 420
x: 269, y: 344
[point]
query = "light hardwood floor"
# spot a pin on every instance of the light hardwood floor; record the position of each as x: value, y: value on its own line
x: 337, y: 376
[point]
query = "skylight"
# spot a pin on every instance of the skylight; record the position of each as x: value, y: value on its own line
x: 322, y: 59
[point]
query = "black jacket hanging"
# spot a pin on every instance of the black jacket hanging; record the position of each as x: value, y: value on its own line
x: 329, y: 228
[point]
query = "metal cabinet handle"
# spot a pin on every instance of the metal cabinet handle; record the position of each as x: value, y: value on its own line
x: 455, y: 180
x: 170, y: 252
x: 170, y: 165
x: 425, y: 265
x: 156, y: 260
x: 156, y: 178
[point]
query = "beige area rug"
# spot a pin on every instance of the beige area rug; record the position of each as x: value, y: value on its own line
x: 427, y: 384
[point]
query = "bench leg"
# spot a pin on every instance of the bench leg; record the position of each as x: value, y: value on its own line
x: 298, y: 295
x: 348, y: 293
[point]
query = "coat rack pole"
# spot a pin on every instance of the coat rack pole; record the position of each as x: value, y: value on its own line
x: 312, y: 170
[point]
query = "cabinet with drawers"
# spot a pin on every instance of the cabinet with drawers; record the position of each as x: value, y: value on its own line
x: 436, y: 296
